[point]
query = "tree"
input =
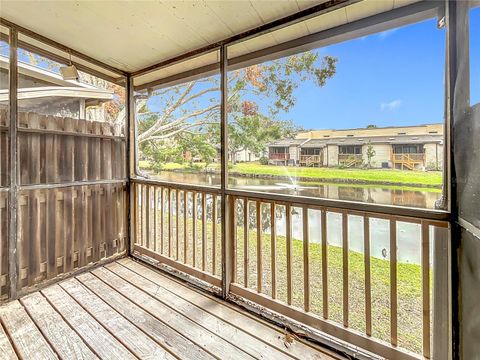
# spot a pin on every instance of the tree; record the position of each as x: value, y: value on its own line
x: 370, y: 153
x: 194, y: 107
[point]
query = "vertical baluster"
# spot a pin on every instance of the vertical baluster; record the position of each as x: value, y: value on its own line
x: 289, y: 252
x: 306, y: 260
x: 155, y: 215
x: 177, y: 215
x: 245, y: 242
x: 259, y: 247
x: 170, y: 240
x: 233, y: 214
x: 144, y: 204
x: 345, y: 266
x: 147, y: 216
x: 426, y: 288
x: 135, y: 212
x: 185, y: 226
x: 162, y: 209
x: 214, y: 233
x: 368, y: 286
x: 324, y: 264
x: 393, y: 283
x: 194, y: 228
x: 273, y: 237
x: 204, y: 231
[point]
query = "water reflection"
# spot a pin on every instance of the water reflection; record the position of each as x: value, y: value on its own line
x: 375, y: 195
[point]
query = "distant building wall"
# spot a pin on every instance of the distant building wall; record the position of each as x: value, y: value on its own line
x: 246, y: 156
x: 294, y: 153
x: 382, y: 155
x: 332, y: 155
x: 433, y: 156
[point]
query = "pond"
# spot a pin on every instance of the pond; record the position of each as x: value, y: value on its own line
x: 374, y: 194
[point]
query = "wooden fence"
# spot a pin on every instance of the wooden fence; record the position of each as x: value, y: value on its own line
x: 72, y: 197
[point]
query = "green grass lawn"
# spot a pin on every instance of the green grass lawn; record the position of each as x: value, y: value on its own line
x: 373, y: 176
x: 409, y: 280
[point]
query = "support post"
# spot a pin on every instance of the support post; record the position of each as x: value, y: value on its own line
x: 12, y: 111
x: 226, y: 225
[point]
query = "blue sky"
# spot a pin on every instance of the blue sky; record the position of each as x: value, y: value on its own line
x: 392, y: 78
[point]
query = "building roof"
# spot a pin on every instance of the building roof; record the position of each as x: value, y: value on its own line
x: 377, y: 131
x: 57, y: 86
x: 420, y: 134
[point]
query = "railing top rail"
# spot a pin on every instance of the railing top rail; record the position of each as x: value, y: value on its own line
x: 187, y: 187
x: 413, y: 215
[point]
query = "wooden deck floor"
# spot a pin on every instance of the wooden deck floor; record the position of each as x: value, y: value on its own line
x: 125, y: 310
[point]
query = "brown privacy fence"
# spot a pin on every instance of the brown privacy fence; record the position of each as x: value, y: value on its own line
x: 71, y: 200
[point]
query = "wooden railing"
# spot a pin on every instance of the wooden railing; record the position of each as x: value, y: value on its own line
x: 303, y: 262
x: 309, y: 160
x: 364, y: 277
x: 179, y: 227
x: 350, y: 160
x: 408, y: 160
x: 279, y: 156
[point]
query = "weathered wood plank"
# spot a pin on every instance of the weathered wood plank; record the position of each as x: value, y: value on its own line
x: 127, y: 333
x: 67, y: 344
x: 28, y: 340
x: 99, y: 339
x: 223, y: 329
x: 199, y: 335
x: 6, y: 348
x: 174, y: 342
x: 257, y: 328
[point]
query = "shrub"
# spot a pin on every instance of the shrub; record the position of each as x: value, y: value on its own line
x: 263, y: 160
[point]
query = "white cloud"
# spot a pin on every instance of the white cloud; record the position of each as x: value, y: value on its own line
x: 385, y: 34
x: 392, y: 105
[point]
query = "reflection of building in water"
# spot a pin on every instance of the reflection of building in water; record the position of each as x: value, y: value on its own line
x: 351, y: 193
x: 405, y: 148
x: 46, y: 93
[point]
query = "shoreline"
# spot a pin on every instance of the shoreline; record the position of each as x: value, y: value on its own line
x: 344, y: 181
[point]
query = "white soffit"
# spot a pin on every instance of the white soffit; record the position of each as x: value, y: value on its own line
x: 326, y: 21
x: 131, y: 35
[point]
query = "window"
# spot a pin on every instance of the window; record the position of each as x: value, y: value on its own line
x: 364, y: 88
x: 178, y: 128
x: 350, y: 150
x: 408, y: 149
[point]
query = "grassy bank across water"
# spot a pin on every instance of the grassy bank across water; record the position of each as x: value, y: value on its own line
x: 414, y: 179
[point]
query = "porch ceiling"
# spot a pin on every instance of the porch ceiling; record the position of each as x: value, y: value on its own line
x: 132, y: 35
